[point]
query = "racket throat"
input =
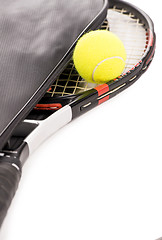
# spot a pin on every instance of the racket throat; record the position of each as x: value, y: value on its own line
x: 48, y: 127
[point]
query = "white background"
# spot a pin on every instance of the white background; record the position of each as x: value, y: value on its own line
x: 100, y: 177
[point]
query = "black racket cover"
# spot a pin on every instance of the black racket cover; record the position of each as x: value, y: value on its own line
x: 36, y: 42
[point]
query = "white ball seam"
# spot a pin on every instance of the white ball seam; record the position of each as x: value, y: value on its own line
x: 101, y: 63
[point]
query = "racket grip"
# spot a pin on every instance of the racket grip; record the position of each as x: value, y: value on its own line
x: 10, y: 175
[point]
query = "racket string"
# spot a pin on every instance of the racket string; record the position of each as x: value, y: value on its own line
x: 132, y: 33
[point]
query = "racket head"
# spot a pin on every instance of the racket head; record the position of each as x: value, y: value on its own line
x: 136, y: 31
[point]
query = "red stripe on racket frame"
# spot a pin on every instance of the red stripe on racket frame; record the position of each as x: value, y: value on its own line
x: 151, y: 45
x: 52, y: 106
x: 102, y: 89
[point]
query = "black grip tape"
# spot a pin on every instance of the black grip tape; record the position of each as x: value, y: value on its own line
x: 10, y: 175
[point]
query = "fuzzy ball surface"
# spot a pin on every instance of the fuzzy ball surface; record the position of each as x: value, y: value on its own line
x: 99, y: 56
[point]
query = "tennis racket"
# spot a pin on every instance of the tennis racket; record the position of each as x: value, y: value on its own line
x: 71, y: 96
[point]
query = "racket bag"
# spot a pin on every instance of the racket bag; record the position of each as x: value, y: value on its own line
x: 36, y: 42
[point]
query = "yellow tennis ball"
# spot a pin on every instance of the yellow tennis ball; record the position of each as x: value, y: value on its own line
x: 99, y: 56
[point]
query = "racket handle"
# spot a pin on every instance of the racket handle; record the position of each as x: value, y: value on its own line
x: 10, y: 175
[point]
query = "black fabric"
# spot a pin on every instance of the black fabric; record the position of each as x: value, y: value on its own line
x: 35, y: 36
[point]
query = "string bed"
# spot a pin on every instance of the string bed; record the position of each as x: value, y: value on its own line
x: 132, y: 33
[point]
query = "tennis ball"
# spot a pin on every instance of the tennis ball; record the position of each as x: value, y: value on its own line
x: 99, y: 56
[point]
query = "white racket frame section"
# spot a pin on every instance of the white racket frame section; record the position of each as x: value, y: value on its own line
x: 47, y: 127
